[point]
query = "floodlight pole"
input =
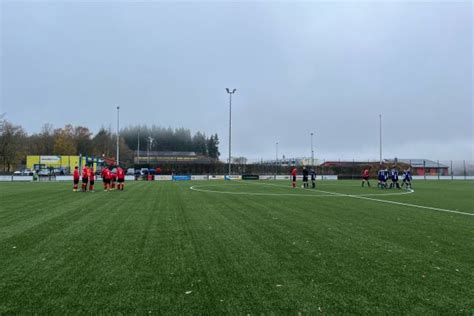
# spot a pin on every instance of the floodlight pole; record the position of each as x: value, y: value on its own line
x: 380, y: 132
x: 312, y: 152
x: 118, y: 134
x: 276, y: 160
x: 150, y: 142
x: 230, y: 125
x: 138, y: 146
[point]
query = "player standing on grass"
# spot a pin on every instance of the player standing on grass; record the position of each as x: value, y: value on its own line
x: 407, y: 178
x: 365, y: 177
x: 91, y: 178
x: 293, y: 177
x: 111, y: 180
x: 382, y: 177
x: 305, y: 177
x: 394, y: 178
x: 75, y: 177
x: 85, y: 178
x: 120, y: 178
x: 105, y: 174
x: 313, y: 178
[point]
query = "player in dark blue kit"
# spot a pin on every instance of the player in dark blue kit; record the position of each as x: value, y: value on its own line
x: 382, y: 177
x: 394, y: 178
x: 312, y: 173
x: 305, y: 177
x: 407, y: 179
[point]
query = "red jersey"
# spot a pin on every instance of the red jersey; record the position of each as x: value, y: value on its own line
x: 85, y: 173
x: 75, y: 175
x: 293, y: 172
x: 120, y: 173
x: 105, y: 173
x: 91, y: 175
x: 366, y: 173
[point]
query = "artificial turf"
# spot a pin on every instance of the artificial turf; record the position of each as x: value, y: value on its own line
x: 237, y: 248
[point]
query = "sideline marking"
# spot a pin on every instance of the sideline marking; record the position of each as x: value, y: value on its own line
x: 361, y: 197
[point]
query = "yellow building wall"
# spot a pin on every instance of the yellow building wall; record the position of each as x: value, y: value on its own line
x: 63, y: 162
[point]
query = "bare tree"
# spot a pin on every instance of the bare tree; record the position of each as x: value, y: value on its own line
x: 12, y: 145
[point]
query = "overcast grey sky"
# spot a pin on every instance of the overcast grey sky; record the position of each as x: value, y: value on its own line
x: 323, y: 67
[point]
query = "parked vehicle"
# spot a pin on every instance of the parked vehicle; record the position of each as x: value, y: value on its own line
x: 44, y: 172
x: 130, y: 171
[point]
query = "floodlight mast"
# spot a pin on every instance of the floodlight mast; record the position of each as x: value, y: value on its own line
x: 276, y: 160
x: 118, y: 135
x: 230, y: 126
x: 150, y: 143
x: 380, y: 135
x: 312, y: 151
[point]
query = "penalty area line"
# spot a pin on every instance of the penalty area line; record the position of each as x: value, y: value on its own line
x: 387, y: 201
x: 399, y: 203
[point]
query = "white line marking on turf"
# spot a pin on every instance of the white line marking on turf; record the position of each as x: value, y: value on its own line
x: 387, y: 201
x: 400, y: 203
x: 196, y: 188
x: 309, y: 194
x: 335, y: 193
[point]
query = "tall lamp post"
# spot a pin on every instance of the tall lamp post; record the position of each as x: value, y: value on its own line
x: 312, y: 151
x: 230, y: 125
x: 150, y: 143
x: 380, y: 132
x: 138, y: 146
x: 276, y: 160
x: 118, y: 135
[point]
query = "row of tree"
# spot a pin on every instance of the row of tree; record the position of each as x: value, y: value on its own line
x: 168, y: 139
x: 16, y: 144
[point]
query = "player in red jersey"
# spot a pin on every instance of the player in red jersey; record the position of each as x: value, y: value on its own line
x: 293, y: 176
x: 106, y: 178
x: 102, y: 175
x: 75, y: 177
x: 85, y: 178
x: 120, y: 178
x: 91, y: 178
x: 365, y: 177
x: 113, y: 179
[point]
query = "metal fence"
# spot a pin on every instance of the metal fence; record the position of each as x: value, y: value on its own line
x: 344, y: 169
x: 352, y: 169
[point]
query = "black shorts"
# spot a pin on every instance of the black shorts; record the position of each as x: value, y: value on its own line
x: 91, y: 182
x: 85, y: 180
x: 76, y: 181
x: 294, y: 178
x: 106, y: 181
x: 121, y: 180
x: 365, y: 178
x: 305, y: 178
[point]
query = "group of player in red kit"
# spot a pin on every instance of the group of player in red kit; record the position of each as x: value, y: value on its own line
x: 111, y: 180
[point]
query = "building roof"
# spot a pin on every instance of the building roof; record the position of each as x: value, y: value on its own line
x: 420, y: 163
x: 414, y: 163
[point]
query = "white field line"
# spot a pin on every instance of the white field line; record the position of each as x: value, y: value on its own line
x: 197, y: 188
x: 361, y: 197
x: 334, y: 193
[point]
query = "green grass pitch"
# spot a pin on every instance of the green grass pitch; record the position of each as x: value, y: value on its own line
x: 237, y: 247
